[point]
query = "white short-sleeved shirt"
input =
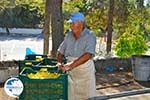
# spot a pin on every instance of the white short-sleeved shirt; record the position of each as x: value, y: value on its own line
x: 75, y: 48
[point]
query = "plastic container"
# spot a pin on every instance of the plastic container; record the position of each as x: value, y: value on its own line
x: 47, y: 62
x: 141, y: 67
x: 44, y: 89
x: 34, y: 56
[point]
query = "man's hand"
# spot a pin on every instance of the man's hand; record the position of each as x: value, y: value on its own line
x: 59, y: 64
x: 66, y: 67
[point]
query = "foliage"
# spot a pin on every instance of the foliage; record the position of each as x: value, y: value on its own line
x: 147, y: 25
x: 6, y: 4
x: 19, y: 17
x: 33, y: 5
x: 126, y: 14
x: 131, y: 43
x: 139, y: 18
x: 133, y: 39
x: 25, y: 13
x: 77, y: 5
x: 95, y: 12
x: 97, y: 21
x: 38, y: 5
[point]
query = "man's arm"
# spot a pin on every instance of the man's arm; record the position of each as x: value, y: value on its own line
x: 82, y: 59
x: 59, y: 57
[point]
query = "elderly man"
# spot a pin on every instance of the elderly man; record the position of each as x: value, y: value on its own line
x: 79, y: 48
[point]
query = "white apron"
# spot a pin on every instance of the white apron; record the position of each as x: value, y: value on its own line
x: 81, y: 81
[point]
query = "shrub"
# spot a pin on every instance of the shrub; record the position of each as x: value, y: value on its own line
x: 130, y: 44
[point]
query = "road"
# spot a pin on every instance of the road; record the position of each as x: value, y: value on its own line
x: 14, y: 46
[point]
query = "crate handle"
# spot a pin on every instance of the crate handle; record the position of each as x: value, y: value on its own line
x: 21, y: 73
x: 37, y: 64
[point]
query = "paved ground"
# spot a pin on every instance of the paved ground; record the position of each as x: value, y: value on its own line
x: 117, y: 82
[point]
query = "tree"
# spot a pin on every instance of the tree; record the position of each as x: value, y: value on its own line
x: 56, y: 25
x: 20, y: 13
x: 46, y: 27
x: 132, y: 42
x: 6, y: 4
x: 109, y: 26
x: 121, y: 14
x: 54, y: 18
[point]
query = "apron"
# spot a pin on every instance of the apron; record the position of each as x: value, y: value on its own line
x: 81, y: 81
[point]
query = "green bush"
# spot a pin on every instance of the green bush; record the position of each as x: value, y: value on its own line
x: 130, y: 44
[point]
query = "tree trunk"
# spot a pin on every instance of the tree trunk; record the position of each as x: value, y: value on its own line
x: 109, y: 26
x: 122, y: 14
x: 7, y: 30
x: 57, y: 25
x: 46, y: 27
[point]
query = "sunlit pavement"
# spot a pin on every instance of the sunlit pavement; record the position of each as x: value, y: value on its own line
x: 14, y: 47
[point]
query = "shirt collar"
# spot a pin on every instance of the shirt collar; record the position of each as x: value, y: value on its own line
x: 84, y: 31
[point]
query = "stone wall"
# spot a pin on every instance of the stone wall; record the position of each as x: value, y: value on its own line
x: 113, y: 64
x: 8, y: 64
x: 100, y: 64
x: 8, y: 69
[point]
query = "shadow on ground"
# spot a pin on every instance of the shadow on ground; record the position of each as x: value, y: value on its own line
x: 110, y: 83
x: 145, y: 84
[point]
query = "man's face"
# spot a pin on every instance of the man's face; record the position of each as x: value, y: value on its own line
x: 77, y: 27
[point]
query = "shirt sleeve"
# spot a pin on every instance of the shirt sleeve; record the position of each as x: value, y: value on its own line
x: 62, y: 47
x: 91, y: 44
